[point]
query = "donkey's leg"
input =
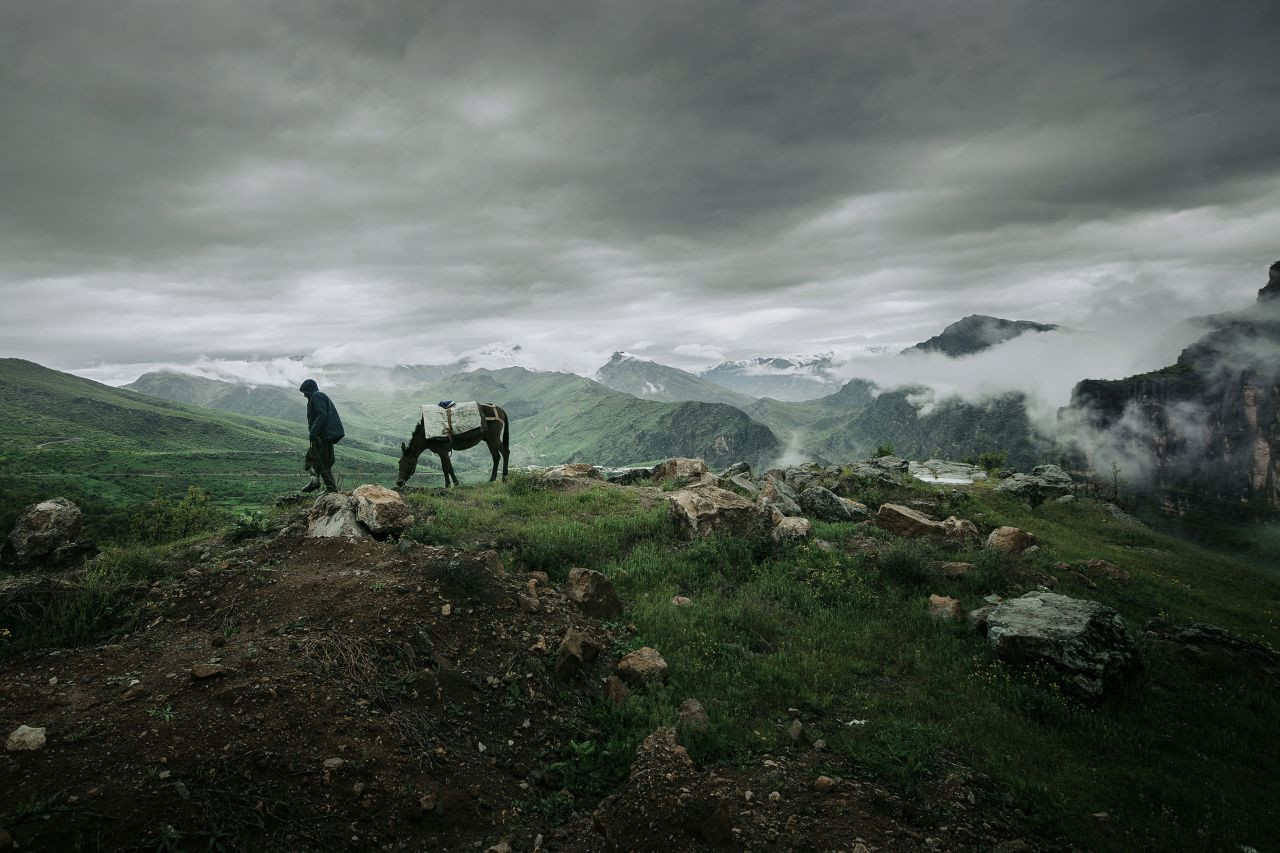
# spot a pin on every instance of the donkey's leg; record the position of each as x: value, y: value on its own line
x: 444, y: 467
x: 452, y: 473
x: 493, y: 451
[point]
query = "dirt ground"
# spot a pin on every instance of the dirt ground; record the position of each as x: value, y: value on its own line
x: 305, y: 694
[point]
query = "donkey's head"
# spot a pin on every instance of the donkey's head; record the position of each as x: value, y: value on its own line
x: 408, y: 464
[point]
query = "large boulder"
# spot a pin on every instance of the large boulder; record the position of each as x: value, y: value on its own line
x: 960, y: 529
x: 942, y: 471
x: 680, y: 467
x: 381, y: 510
x: 826, y: 505
x: 43, y: 528
x: 736, y: 469
x: 703, y: 510
x: 775, y: 492
x: 594, y: 593
x: 333, y: 515
x: 1082, y: 643
x: 1207, y: 650
x: 1044, y: 482
x: 905, y: 521
x: 1010, y: 540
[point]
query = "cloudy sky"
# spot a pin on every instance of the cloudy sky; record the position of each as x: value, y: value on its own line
x: 406, y: 181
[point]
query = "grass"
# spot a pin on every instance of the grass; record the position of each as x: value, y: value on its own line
x: 845, y: 638
x: 100, y: 604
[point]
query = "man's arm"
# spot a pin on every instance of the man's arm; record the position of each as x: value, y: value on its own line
x: 323, y: 407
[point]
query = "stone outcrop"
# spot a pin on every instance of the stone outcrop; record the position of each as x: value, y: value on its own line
x: 826, y: 505
x: 942, y: 471
x: 1045, y: 482
x: 571, y: 471
x: 576, y: 652
x: 1081, y: 643
x: 42, y: 529
x: 680, y: 467
x: 945, y: 607
x: 905, y: 521
x: 333, y: 515
x: 594, y: 593
x: 382, y: 511
x: 703, y: 510
x: 1208, y: 650
x: 775, y: 492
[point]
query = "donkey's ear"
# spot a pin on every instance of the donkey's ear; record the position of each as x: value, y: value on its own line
x: 403, y: 449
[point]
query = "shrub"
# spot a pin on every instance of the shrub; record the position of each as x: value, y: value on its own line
x: 884, y: 449
x: 163, y: 519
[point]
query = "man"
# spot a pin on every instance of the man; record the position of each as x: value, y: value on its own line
x: 325, y: 429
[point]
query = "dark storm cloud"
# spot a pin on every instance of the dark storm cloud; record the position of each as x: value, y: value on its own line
x: 406, y: 180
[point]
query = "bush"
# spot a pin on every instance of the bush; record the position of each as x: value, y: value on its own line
x: 162, y: 519
x: 884, y: 449
x: 253, y: 524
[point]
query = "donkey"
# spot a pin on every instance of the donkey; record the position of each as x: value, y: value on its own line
x: 495, y: 432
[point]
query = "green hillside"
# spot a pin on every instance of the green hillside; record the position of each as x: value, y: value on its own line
x: 67, y: 435
x: 257, y: 400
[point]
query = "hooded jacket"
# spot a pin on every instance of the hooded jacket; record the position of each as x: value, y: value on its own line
x: 322, y: 415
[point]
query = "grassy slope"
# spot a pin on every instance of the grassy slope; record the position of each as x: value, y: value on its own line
x: 845, y: 636
x: 652, y: 381
x: 116, y: 445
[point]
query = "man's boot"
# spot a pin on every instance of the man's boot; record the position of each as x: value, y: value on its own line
x: 313, y: 485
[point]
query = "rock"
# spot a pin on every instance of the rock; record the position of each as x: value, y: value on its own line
x: 333, y: 515
x: 802, y: 477
x: 594, y: 593
x: 692, y: 717
x: 1083, y: 643
x: 381, y: 510
x: 615, y: 691
x: 795, y: 731
x: 960, y: 529
x: 701, y: 511
x: 1120, y: 515
x: 203, y: 671
x: 792, y: 530
x: 333, y: 763
x: 661, y: 752
x: 824, y: 784
x: 955, y: 570
x: 941, y: 471
x: 627, y: 476
x: 25, y: 739
x: 681, y: 601
x: 1010, y: 540
x: 43, y: 528
x: 1107, y: 571
x: 736, y: 469
x: 886, y: 470
x: 577, y: 649
x: 681, y: 467
x: 945, y: 607
x: 977, y: 618
x: 503, y: 846
x: 1043, y: 483
x: 572, y: 471
x: 775, y: 493
x: 642, y: 667
x: 1212, y: 651
x: 826, y: 505
x: 905, y: 521
x: 743, y: 485
x: 528, y: 603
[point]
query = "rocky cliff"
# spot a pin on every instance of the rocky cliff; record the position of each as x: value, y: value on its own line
x: 1205, y: 431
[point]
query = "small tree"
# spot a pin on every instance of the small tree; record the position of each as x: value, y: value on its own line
x: 163, y: 519
x: 1116, y: 482
x: 885, y: 449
